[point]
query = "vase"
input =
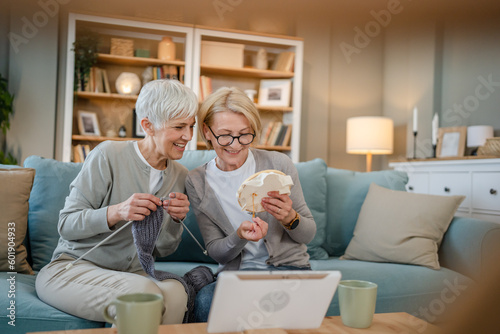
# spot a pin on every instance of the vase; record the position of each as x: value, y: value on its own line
x: 166, y: 49
x: 261, y: 62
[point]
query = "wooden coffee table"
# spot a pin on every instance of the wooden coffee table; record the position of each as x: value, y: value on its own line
x: 383, y: 323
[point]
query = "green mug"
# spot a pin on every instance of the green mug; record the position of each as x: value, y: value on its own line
x: 357, y: 301
x: 136, y: 313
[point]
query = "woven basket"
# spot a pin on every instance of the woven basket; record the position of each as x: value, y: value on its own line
x: 122, y: 47
x: 491, y: 147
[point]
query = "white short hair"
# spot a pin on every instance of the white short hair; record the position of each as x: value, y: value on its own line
x: 162, y: 100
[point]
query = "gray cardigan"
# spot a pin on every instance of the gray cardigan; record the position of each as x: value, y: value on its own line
x: 223, y: 244
x: 111, y: 174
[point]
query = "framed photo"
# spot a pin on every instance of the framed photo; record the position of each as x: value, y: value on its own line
x: 451, y: 142
x: 275, y: 92
x: 88, y: 124
x: 138, y: 130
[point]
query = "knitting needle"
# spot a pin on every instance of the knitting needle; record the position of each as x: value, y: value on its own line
x: 99, y: 244
x: 205, y: 252
x: 192, y: 236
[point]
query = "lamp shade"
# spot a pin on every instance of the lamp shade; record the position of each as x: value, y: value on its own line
x: 370, y: 134
x: 128, y: 83
x: 477, y: 135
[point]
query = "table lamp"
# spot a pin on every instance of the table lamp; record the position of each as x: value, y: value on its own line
x: 477, y: 135
x: 128, y: 83
x: 369, y: 135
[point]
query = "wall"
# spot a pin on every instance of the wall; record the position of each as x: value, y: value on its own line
x: 427, y: 48
x: 33, y: 79
x: 409, y: 81
x: 471, y: 57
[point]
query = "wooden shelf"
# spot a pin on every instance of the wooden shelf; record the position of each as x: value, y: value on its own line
x: 90, y: 95
x: 202, y: 145
x: 100, y: 138
x: 245, y: 71
x: 136, y: 61
x: 269, y: 108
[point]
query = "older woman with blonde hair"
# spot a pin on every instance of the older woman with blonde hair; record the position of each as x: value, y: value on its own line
x: 273, y: 240
x: 124, y: 181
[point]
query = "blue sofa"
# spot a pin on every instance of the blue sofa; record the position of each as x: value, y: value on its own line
x: 334, y: 196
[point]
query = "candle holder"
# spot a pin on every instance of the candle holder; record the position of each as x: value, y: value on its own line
x: 415, y: 144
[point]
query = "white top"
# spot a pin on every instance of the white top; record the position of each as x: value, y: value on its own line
x: 225, y: 186
x: 155, y: 175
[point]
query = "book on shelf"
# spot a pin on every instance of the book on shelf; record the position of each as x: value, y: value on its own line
x: 97, y: 81
x: 288, y: 136
x: 80, y: 152
x: 168, y: 72
x: 280, y: 136
x: 205, y: 87
x: 276, y: 134
x: 284, y: 62
x: 266, y: 132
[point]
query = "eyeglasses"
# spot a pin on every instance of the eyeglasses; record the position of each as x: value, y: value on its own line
x: 226, y: 140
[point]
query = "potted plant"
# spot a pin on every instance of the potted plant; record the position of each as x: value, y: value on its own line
x: 6, y: 101
x: 85, y: 48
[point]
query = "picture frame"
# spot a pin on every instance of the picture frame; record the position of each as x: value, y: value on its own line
x: 451, y: 142
x: 138, y: 130
x: 275, y: 92
x: 88, y: 124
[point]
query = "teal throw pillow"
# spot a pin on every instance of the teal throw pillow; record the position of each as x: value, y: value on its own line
x: 312, y: 176
x: 50, y: 189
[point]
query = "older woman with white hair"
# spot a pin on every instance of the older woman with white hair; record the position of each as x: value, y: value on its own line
x: 124, y: 181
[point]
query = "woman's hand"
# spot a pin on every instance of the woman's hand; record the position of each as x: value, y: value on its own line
x: 280, y: 206
x: 177, y: 205
x: 252, y: 231
x: 136, y: 207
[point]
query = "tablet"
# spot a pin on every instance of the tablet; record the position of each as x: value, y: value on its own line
x: 271, y: 299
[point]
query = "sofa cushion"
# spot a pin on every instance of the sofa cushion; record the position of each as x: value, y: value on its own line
x: 401, y: 227
x: 50, y: 188
x: 312, y: 176
x: 15, y: 191
x: 346, y: 193
x: 31, y: 314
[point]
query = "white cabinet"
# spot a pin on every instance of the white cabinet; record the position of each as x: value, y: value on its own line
x: 478, y: 179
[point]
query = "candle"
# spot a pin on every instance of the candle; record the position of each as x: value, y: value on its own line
x: 415, y: 117
x: 435, y: 127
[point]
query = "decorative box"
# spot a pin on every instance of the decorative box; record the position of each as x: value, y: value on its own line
x: 142, y: 53
x: 122, y: 47
x: 222, y: 54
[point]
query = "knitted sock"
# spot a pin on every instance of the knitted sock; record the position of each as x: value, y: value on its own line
x: 145, y: 234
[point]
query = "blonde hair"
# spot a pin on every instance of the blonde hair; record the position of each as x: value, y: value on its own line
x: 228, y: 99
